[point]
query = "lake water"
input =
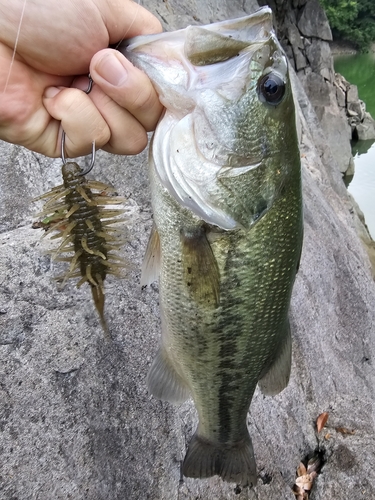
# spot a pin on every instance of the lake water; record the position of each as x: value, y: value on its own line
x: 360, y: 70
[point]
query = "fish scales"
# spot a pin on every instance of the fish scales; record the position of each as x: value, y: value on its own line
x: 223, y: 348
x: 227, y: 236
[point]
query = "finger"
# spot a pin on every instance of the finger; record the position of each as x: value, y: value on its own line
x: 128, y: 136
x: 80, y: 119
x: 23, y: 118
x: 126, y: 85
x: 128, y: 20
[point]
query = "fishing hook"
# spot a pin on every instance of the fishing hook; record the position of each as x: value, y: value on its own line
x: 63, y: 157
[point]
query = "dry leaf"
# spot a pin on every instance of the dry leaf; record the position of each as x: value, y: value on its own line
x: 299, y: 493
x: 301, y: 471
x: 327, y: 436
x: 321, y: 421
x: 313, y: 465
x: 344, y: 430
x: 304, y: 482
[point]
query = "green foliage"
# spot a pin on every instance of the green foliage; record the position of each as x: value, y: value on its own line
x: 352, y: 20
x: 340, y: 13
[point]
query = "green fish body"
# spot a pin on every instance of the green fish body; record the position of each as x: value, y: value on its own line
x: 227, y: 236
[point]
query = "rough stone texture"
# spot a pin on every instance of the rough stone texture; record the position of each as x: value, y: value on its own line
x: 303, y: 30
x: 318, y: 90
x: 352, y: 94
x: 319, y: 56
x: 340, y: 135
x: 361, y: 123
x: 76, y: 421
x: 313, y: 21
x: 332, y: 118
x: 366, y: 129
x: 356, y: 109
x: 299, y: 59
x: 294, y: 36
x: 341, y: 97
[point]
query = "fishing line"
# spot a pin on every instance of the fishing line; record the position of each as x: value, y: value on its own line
x: 131, y: 24
x: 15, y: 46
x: 19, y: 32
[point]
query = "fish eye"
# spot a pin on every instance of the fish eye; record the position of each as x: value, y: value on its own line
x: 271, y: 89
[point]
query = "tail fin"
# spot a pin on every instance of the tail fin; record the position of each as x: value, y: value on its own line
x: 235, y: 464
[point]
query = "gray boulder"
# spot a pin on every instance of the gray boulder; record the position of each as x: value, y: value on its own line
x: 313, y: 21
x: 303, y: 29
x: 333, y: 119
x: 319, y: 56
x: 341, y: 97
x: 366, y: 129
x: 299, y: 59
x: 352, y: 93
x: 335, y: 125
x: 76, y: 421
x: 294, y: 36
x: 356, y: 110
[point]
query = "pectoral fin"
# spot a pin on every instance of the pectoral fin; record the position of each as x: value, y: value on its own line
x: 277, y: 376
x: 164, y: 382
x: 201, y: 272
x: 151, y: 261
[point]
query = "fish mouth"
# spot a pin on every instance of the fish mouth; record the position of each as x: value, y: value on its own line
x: 202, y: 75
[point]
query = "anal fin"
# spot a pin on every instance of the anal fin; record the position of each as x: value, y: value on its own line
x: 277, y: 376
x: 234, y: 463
x: 151, y: 261
x: 164, y: 382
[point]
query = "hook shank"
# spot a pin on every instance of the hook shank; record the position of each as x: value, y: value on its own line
x: 63, y: 157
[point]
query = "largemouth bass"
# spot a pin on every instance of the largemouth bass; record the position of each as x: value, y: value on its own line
x: 226, y: 195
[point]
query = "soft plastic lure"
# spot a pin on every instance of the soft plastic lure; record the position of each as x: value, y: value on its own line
x: 79, y: 212
x: 85, y: 225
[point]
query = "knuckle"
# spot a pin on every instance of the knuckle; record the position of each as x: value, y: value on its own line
x: 138, y: 144
x: 103, y: 135
x: 144, y: 99
x: 73, y: 101
x: 134, y: 144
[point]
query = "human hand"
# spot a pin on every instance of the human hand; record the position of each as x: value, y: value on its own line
x: 58, y: 40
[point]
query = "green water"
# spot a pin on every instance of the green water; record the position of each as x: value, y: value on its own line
x: 360, y: 70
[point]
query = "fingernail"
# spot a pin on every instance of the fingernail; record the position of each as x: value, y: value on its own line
x: 111, y: 69
x: 51, y: 92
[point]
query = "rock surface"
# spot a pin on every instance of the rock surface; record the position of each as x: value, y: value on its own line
x: 76, y: 421
x: 304, y: 32
x: 313, y: 21
x: 361, y: 122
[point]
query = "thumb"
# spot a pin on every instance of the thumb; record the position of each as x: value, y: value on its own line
x: 128, y: 86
